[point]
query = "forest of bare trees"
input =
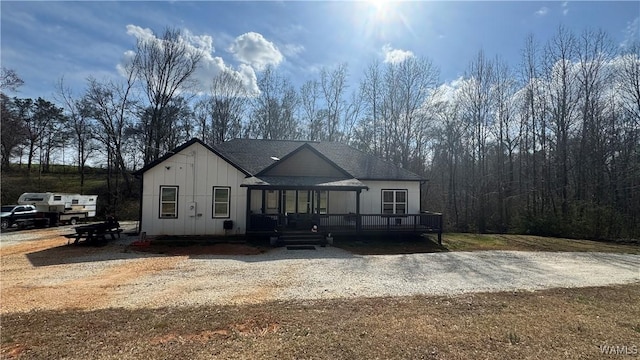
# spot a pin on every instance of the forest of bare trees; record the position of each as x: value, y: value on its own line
x: 549, y: 146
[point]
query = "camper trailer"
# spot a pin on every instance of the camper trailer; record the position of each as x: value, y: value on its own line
x: 60, y: 207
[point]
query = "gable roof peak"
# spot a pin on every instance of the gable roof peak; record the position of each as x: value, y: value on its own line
x: 255, y: 155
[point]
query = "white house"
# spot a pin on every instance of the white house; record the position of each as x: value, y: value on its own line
x: 248, y: 186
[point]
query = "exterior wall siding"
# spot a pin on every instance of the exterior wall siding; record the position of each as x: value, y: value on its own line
x: 195, y: 171
x: 371, y: 200
x: 304, y: 163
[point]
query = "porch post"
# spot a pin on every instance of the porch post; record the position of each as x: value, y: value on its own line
x: 358, y: 217
x: 248, y: 209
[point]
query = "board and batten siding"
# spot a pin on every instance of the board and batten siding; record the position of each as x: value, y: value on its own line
x: 304, y: 163
x: 195, y: 170
x: 371, y: 200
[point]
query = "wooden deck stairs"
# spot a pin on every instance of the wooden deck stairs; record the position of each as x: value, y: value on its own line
x: 299, y: 238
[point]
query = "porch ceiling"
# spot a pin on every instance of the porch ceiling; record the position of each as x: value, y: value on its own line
x: 303, y: 182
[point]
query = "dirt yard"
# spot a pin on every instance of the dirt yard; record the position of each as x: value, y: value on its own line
x: 41, y: 270
x: 238, y: 301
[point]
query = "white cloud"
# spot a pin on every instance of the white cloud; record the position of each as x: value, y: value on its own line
x: 542, y: 11
x: 249, y: 78
x: 140, y: 33
x: 202, y: 42
x: 565, y: 8
x: 253, y: 49
x: 127, y: 59
x: 209, y: 66
x: 395, y: 56
x: 292, y: 49
x: 451, y: 90
x: 632, y: 33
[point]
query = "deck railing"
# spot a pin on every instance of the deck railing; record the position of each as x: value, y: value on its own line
x: 337, y: 223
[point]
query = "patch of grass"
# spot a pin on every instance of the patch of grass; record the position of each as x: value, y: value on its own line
x: 162, y: 324
x: 475, y: 242
x: 540, y: 325
x: 387, y: 245
x: 513, y: 338
x: 583, y: 299
x: 395, y: 244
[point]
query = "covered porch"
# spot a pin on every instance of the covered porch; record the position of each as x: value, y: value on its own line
x: 333, y: 206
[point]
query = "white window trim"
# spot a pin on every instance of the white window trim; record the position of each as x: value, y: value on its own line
x: 175, y: 215
x: 228, y: 203
x: 395, y: 203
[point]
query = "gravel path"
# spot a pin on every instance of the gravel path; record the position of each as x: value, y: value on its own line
x: 44, y: 274
x: 333, y: 273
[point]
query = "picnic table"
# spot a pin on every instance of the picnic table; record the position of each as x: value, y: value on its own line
x: 96, y: 232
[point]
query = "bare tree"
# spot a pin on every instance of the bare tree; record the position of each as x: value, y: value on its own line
x: 506, y: 135
x: 624, y: 122
x: 416, y: 78
x: 371, y: 130
x: 333, y: 85
x: 628, y: 80
x: 13, y: 129
x: 14, y: 132
x: 532, y: 130
x: 273, y: 114
x: 79, y: 120
x: 311, y: 115
x: 559, y: 54
x: 9, y: 80
x: 477, y: 101
x: 112, y: 106
x: 39, y: 118
x: 352, y: 114
x: 165, y: 66
x: 224, y: 109
x: 593, y: 53
x: 449, y: 154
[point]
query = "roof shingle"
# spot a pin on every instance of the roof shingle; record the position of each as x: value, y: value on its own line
x: 254, y: 155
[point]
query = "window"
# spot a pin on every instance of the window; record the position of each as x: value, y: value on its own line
x: 289, y: 201
x: 57, y: 197
x: 221, y: 201
x: 304, y: 202
x: 168, y: 202
x: 394, y: 201
x: 272, y: 199
x: 322, y: 201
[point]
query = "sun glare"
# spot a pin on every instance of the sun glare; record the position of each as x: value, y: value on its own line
x: 382, y: 20
x: 379, y: 9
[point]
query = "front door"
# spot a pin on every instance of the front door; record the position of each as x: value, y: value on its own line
x: 300, y: 206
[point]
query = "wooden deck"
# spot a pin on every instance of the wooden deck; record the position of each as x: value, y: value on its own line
x: 343, y: 224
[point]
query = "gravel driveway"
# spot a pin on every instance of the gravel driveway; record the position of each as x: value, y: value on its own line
x: 42, y: 274
x: 332, y: 273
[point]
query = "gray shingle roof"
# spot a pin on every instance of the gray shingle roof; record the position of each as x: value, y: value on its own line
x: 303, y: 182
x: 254, y: 155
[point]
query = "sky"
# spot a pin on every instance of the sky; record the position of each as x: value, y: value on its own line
x: 46, y: 41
